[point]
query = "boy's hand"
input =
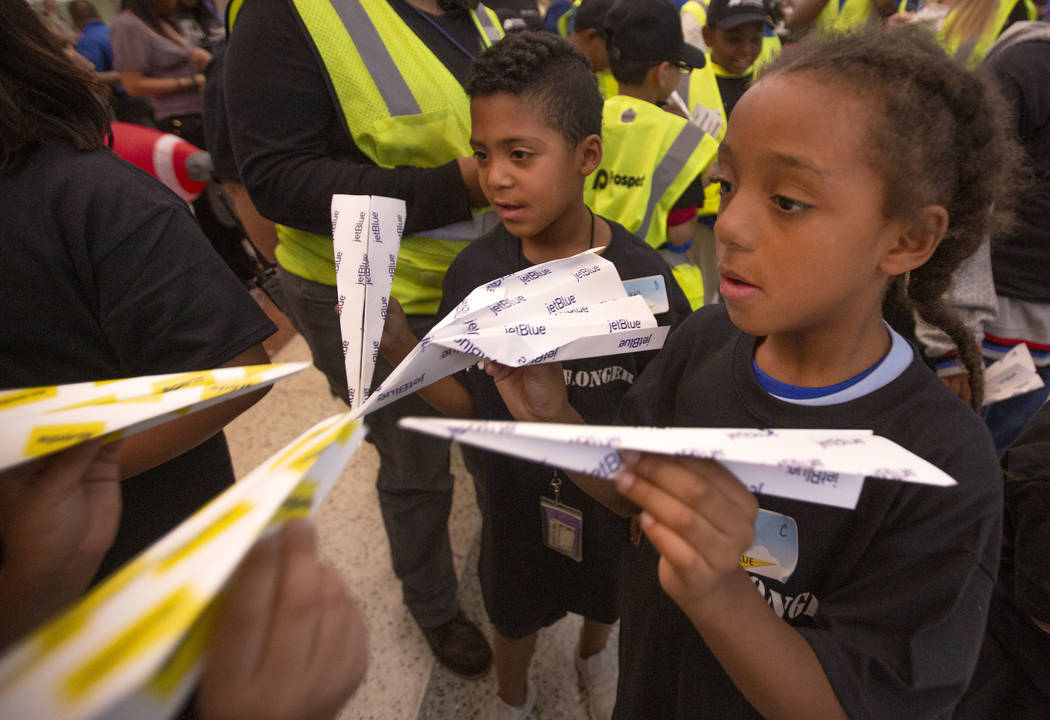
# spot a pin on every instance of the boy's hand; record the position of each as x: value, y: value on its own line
x: 534, y: 393
x: 698, y: 516
x: 288, y: 642
x: 398, y: 339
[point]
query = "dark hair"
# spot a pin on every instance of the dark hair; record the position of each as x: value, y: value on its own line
x: 939, y: 136
x: 629, y: 72
x: 82, y: 12
x: 547, y: 70
x: 145, y: 11
x: 42, y: 94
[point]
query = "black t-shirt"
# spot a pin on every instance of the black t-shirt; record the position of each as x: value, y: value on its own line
x: 292, y: 146
x: 525, y: 585
x: 891, y: 596
x: 732, y: 89
x: 107, y: 275
x: 1021, y: 259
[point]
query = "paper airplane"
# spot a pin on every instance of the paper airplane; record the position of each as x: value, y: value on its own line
x: 366, y: 236
x: 38, y: 421
x: 131, y: 648
x: 820, y: 466
x: 565, y: 309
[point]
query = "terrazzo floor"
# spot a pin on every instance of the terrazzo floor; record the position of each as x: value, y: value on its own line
x: 403, y: 681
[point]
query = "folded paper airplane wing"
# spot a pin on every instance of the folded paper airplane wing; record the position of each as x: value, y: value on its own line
x: 131, y: 647
x: 565, y: 309
x: 820, y: 466
x: 38, y: 421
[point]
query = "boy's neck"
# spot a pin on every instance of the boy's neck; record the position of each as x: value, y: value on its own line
x: 642, y: 92
x: 567, y: 236
x: 824, y: 357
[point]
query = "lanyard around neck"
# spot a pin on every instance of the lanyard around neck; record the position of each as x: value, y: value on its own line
x: 426, y: 16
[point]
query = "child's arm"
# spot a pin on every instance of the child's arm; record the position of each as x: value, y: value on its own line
x: 701, y: 519
x: 447, y: 395
x: 537, y: 393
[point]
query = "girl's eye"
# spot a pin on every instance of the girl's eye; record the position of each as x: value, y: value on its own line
x: 479, y: 155
x: 519, y: 154
x: 724, y: 186
x: 788, y: 205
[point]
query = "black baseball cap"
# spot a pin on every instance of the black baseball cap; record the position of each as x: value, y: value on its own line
x: 726, y: 14
x: 591, y: 15
x: 648, y: 31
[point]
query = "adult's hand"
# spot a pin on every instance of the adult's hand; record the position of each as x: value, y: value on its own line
x: 58, y: 517
x: 288, y: 642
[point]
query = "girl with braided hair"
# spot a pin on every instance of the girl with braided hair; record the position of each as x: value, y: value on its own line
x: 856, y: 171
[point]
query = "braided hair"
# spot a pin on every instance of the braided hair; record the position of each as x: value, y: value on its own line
x: 939, y: 136
x: 544, y: 69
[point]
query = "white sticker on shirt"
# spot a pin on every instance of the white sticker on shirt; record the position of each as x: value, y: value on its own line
x: 653, y: 289
x: 774, y: 554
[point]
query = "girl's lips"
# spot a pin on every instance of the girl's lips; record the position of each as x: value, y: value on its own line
x: 507, y: 211
x: 734, y: 290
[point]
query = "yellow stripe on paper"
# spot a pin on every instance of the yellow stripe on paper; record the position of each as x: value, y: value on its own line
x: 191, y: 649
x: 186, y: 380
x: 46, y: 439
x: 225, y: 388
x: 14, y: 398
x: 297, y: 504
x: 164, y: 620
x: 112, y: 400
x: 209, y: 533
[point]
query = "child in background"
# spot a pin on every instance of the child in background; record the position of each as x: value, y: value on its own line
x: 649, y: 179
x: 836, y: 195
x: 588, y: 34
x: 536, y: 124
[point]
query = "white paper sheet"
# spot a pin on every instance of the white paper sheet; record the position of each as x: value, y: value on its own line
x: 38, y: 421
x: 1011, y: 375
x: 821, y: 466
x: 131, y: 647
x: 561, y: 310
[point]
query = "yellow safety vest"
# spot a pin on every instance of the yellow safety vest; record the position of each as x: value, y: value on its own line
x: 563, y: 21
x: 607, y: 84
x: 686, y: 274
x: 402, y: 107
x: 971, y: 53
x: 700, y: 88
x: 770, y: 41
x: 649, y: 158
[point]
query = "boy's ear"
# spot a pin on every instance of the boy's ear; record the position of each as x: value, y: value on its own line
x: 589, y: 153
x: 917, y: 241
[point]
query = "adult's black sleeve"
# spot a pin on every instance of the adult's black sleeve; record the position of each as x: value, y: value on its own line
x: 292, y: 148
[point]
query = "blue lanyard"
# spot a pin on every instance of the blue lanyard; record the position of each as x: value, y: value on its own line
x: 426, y: 16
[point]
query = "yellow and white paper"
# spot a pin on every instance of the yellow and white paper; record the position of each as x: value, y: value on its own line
x: 565, y: 309
x: 1011, y: 375
x: 827, y: 467
x: 38, y: 421
x: 131, y: 648
x: 366, y: 236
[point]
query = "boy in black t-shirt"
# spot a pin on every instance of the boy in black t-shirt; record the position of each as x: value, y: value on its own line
x: 536, y: 124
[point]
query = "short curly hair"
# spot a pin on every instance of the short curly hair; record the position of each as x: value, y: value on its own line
x: 546, y: 70
x: 939, y: 136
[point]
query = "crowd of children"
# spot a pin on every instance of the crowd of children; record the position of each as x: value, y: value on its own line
x: 818, y: 201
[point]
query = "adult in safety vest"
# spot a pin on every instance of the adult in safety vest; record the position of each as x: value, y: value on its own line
x: 364, y: 97
x: 649, y: 179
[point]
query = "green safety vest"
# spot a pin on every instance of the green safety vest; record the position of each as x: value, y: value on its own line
x: 971, y: 53
x: 649, y: 158
x: 770, y: 41
x: 700, y: 87
x: 402, y: 107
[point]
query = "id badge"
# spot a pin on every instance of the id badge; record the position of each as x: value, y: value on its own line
x: 562, y: 525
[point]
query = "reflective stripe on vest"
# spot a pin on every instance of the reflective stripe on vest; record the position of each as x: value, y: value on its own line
x: 651, y: 157
x: 700, y: 88
x: 402, y: 106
